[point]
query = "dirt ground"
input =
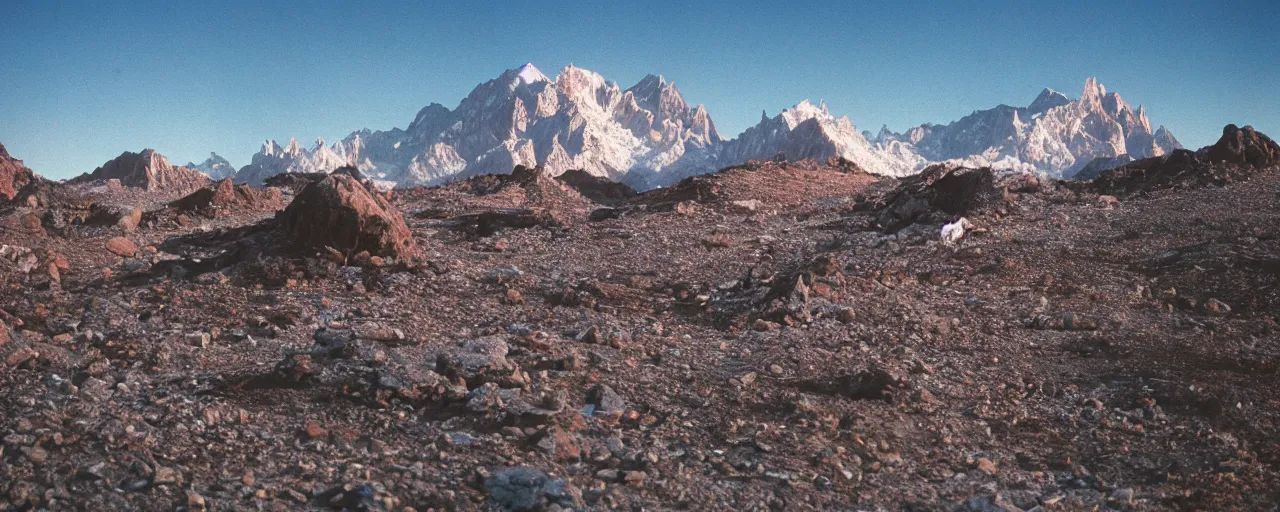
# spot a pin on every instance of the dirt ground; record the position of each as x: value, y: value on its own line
x: 736, y: 342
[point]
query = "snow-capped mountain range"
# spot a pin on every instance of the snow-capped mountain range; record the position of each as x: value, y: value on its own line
x: 648, y: 136
x: 1054, y: 134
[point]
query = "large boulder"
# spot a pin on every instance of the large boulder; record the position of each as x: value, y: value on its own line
x: 13, y: 175
x: 936, y: 194
x: 1244, y: 146
x: 338, y: 212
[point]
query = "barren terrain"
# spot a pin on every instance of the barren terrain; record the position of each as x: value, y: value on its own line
x: 749, y: 340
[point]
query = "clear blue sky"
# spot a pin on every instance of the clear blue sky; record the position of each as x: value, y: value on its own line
x: 82, y: 81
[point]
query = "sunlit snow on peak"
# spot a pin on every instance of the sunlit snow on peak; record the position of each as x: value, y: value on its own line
x: 530, y: 74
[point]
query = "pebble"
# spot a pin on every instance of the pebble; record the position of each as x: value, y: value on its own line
x: 1216, y: 307
x: 121, y: 246
x: 314, y: 431
x: 195, y: 502
x: 634, y: 478
x: 164, y: 475
x: 606, y: 399
x: 763, y: 325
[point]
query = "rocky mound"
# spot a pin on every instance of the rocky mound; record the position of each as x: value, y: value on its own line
x: 1244, y: 146
x: 296, y: 180
x: 147, y: 170
x: 1238, y: 154
x: 595, y: 188
x: 759, y: 184
x: 226, y: 194
x: 338, y: 212
x: 936, y: 194
x: 529, y: 188
x: 13, y: 175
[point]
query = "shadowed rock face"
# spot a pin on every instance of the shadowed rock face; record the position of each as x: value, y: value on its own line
x: 13, y: 174
x: 595, y: 188
x: 1244, y: 146
x: 339, y: 212
x: 147, y: 170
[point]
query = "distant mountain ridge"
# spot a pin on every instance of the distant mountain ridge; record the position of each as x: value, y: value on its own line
x: 1054, y: 134
x: 648, y: 136
x: 215, y: 167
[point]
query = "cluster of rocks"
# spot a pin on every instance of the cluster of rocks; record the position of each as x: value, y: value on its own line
x: 1237, y: 155
x: 225, y: 196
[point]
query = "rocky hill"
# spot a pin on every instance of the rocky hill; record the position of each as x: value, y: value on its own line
x: 147, y: 170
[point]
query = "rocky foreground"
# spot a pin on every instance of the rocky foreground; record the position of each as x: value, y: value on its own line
x: 782, y: 336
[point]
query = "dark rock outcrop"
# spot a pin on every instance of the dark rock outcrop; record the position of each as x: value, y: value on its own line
x: 340, y: 213
x: 938, y: 191
x: 146, y: 170
x: 595, y: 188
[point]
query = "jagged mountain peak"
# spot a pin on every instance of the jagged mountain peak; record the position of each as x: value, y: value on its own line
x: 1093, y: 89
x: 1054, y: 134
x: 649, y: 135
x: 649, y: 82
x: 577, y: 120
x: 804, y: 111
x: 650, y: 89
x: 529, y: 74
x: 1048, y: 99
x: 215, y: 167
